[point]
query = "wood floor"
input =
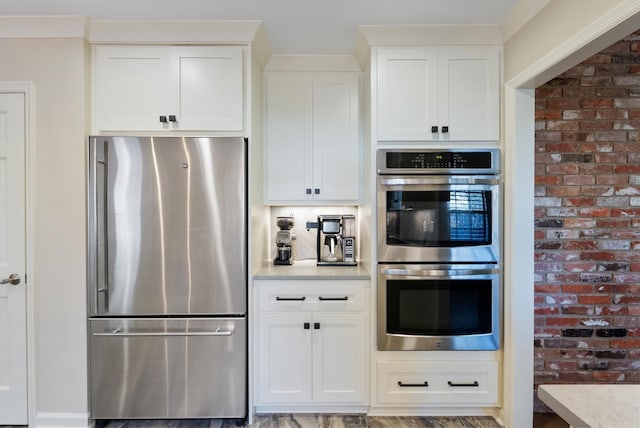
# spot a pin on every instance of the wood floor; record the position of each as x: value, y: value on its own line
x: 540, y: 420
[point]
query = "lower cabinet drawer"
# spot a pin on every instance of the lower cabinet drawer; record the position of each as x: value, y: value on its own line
x: 463, y: 383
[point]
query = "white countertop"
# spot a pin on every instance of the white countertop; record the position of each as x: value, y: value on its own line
x: 594, y: 405
x: 307, y: 269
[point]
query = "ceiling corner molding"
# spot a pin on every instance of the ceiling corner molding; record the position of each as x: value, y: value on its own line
x: 388, y: 35
x: 519, y: 15
x: 174, y: 31
x: 43, y: 27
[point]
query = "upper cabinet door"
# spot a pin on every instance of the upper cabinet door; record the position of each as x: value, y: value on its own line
x: 469, y: 93
x: 289, y: 137
x: 208, y: 88
x: 130, y: 87
x: 438, y: 93
x: 336, y: 137
x: 407, y: 93
x: 168, y: 88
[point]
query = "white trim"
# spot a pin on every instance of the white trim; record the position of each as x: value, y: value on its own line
x: 183, y: 31
x: 519, y: 230
x: 38, y: 27
x: 28, y: 89
x: 60, y: 420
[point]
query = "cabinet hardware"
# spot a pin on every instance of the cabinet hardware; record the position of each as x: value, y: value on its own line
x: 316, y: 191
x: 328, y: 299
x: 316, y: 326
x: 163, y: 119
x: 434, y: 129
x: 475, y: 383
x: 413, y: 385
x: 307, y: 326
x: 445, y: 129
x: 172, y: 118
x: 308, y: 191
x: 290, y: 299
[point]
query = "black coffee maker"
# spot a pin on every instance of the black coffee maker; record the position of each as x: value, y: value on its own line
x: 284, y: 241
x: 336, y: 240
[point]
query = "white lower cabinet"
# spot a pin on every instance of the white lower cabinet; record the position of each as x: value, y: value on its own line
x: 310, y: 344
x: 457, y: 383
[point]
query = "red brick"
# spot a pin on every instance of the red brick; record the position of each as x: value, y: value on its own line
x: 558, y: 321
x: 548, y: 114
x: 594, y: 299
x: 624, y: 343
x: 608, y: 376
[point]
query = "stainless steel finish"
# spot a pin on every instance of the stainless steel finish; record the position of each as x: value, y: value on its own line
x: 167, y: 277
x: 168, y: 368
x: 410, y: 254
x: 14, y: 279
x: 381, y: 168
x: 334, y: 231
x: 165, y: 239
x: 398, y: 342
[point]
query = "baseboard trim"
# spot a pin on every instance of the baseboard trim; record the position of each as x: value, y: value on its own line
x: 60, y: 420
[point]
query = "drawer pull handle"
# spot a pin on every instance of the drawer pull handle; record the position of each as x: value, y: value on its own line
x: 475, y: 383
x: 413, y: 385
x: 329, y: 299
x: 290, y: 299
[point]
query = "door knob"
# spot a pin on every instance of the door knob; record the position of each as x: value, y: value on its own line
x: 14, y: 279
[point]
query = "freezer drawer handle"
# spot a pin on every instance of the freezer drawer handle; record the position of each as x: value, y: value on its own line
x: 329, y: 299
x: 475, y: 383
x: 413, y: 385
x: 290, y: 299
x: 118, y: 332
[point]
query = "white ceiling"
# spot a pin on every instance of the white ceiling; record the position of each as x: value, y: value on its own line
x: 293, y: 26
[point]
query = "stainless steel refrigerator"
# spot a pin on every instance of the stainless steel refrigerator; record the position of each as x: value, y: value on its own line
x: 167, y: 277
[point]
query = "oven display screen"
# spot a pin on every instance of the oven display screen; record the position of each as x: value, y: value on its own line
x: 427, y: 160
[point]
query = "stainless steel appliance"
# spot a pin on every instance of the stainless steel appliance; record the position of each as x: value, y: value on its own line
x: 284, y: 241
x: 167, y: 277
x: 336, y: 240
x: 438, y: 206
x: 438, y: 223
x: 438, y: 306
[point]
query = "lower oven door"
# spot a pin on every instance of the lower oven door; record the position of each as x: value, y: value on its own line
x: 168, y: 368
x: 439, y: 307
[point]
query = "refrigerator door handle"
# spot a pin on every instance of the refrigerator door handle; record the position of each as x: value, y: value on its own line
x: 117, y: 333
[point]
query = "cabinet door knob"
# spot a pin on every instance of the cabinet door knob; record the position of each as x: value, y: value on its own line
x: 434, y: 129
x: 445, y: 129
x: 163, y: 119
x: 172, y: 118
x: 316, y: 191
x: 308, y: 191
x: 307, y: 326
x: 316, y: 326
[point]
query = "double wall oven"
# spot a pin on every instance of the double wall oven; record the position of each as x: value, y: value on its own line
x: 439, y: 249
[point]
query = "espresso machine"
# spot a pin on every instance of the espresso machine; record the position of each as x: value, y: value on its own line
x: 284, y: 241
x: 336, y: 245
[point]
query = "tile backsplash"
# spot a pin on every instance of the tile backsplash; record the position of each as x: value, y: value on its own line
x: 304, y: 246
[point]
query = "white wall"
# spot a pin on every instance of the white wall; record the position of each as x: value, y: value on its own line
x: 58, y: 69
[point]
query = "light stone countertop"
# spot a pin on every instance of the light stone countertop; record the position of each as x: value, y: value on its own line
x: 594, y: 405
x: 307, y: 269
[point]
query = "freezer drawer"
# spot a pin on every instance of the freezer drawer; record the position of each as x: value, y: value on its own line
x: 168, y: 368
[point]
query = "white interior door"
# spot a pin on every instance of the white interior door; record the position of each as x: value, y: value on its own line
x: 13, y: 332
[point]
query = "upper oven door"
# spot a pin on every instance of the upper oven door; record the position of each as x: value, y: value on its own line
x: 438, y: 218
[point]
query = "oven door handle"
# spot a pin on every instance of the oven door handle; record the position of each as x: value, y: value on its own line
x: 438, y: 271
x: 452, y: 179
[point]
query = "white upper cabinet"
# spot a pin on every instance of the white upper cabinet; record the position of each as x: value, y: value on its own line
x: 312, y: 138
x: 438, y: 93
x: 162, y: 88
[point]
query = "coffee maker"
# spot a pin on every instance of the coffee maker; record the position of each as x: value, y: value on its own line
x: 284, y: 241
x: 336, y: 244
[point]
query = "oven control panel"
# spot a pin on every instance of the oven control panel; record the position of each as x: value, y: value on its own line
x: 416, y: 161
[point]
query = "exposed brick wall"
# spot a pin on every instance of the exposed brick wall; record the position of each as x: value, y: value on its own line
x: 587, y: 232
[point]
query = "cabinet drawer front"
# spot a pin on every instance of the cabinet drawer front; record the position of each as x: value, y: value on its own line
x: 283, y: 298
x: 466, y: 383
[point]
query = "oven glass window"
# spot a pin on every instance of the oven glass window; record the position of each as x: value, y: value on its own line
x: 439, y: 307
x: 446, y: 218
